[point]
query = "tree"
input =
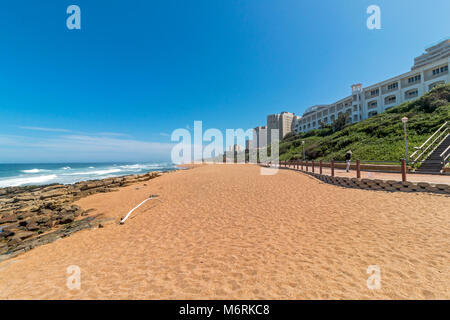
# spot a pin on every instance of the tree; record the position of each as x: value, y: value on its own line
x: 340, y: 122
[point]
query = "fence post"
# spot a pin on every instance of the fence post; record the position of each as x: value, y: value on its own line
x: 306, y: 165
x: 297, y: 164
x: 403, y: 170
x: 302, y: 165
x: 332, y: 168
x: 358, y: 169
x: 312, y: 166
x: 320, y: 166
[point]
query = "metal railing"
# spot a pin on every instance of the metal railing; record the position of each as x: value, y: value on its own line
x: 428, y: 147
x: 337, y: 168
x: 445, y: 156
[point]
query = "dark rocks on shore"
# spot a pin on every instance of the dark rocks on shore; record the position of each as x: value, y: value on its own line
x: 27, y: 214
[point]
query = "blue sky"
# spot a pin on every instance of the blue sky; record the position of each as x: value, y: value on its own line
x: 137, y: 70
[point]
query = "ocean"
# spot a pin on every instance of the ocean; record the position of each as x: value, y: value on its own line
x: 13, y: 175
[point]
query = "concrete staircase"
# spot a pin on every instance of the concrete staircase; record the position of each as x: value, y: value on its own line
x: 433, y: 164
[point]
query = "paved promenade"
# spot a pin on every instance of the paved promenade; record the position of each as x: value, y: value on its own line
x: 434, y: 179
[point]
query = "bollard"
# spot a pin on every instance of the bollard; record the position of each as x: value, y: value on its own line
x: 320, y: 166
x: 312, y: 166
x: 332, y: 168
x: 403, y: 170
x: 358, y: 169
x: 302, y: 165
x: 306, y: 165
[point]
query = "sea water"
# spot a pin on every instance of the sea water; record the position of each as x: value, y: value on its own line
x: 13, y: 175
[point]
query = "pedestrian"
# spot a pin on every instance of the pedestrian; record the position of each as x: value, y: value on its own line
x: 348, y: 158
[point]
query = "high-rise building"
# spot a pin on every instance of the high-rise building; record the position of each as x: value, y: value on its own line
x: 259, y: 138
x: 282, y: 122
x: 429, y: 70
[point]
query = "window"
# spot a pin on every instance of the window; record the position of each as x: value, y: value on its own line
x: 414, y: 79
x: 374, y: 92
x: 411, y: 94
x: 392, y: 86
x: 434, y: 84
x: 390, y: 100
x: 372, y: 104
x: 372, y: 113
x: 440, y: 70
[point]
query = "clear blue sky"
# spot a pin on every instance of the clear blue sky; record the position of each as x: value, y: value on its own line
x: 137, y: 70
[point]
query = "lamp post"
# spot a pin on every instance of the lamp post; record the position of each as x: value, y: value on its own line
x: 405, y: 120
x: 303, y: 148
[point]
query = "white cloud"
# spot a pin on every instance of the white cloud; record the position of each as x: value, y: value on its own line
x: 86, y: 148
x: 44, y: 129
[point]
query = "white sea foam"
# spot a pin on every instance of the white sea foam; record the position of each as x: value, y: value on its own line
x: 21, y: 181
x: 33, y: 171
x: 139, y: 167
x: 66, y: 168
x: 97, y: 172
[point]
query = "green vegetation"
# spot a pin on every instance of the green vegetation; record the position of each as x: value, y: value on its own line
x: 377, y: 138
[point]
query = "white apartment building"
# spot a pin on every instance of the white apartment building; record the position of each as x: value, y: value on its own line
x: 429, y: 70
x: 282, y: 122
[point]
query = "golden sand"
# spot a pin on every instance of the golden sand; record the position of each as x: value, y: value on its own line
x: 227, y: 232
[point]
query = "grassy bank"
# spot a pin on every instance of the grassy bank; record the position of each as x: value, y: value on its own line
x: 377, y: 138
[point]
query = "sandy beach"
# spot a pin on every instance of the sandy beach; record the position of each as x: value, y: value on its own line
x: 227, y: 232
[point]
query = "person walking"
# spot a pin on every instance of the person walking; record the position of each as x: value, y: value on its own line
x: 348, y: 158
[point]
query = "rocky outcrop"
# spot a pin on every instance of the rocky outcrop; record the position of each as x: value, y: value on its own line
x: 28, y: 215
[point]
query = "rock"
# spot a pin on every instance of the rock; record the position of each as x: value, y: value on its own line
x: 25, y: 215
x: 25, y: 198
x: 23, y: 223
x: 13, y: 242
x: 68, y: 218
x: 7, y: 201
x: 100, y: 225
x: 8, y: 219
x: 45, y: 211
x: 42, y: 219
x: 22, y: 235
x: 33, y: 226
x: 51, y: 194
x: 6, y: 233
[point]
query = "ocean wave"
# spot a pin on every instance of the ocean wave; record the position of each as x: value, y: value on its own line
x: 139, y: 167
x: 97, y: 173
x: 33, y: 170
x: 66, y: 168
x: 16, y: 182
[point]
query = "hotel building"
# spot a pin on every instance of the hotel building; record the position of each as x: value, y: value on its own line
x: 429, y: 70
